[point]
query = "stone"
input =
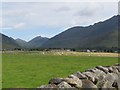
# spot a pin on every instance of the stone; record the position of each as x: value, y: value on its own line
x: 74, y: 81
x: 98, y: 72
x: 91, y: 70
x: 106, y: 81
x: 115, y: 84
x: 118, y: 68
x: 104, y: 69
x: 115, y: 70
x: 55, y: 81
x: 101, y: 83
x: 94, y: 75
x: 72, y: 76
x: 99, y: 78
x: 64, y: 84
x: 118, y: 80
x: 110, y: 70
x: 107, y: 84
x: 111, y: 78
x: 90, y: 75
x: 80, y: 75
x: 88, y: 84
x: 49, y: 86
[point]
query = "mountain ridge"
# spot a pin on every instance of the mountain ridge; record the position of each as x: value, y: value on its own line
x: 101, y: 34
x: 84, y: 37
x: 37, y: 42
x: 8, y: 43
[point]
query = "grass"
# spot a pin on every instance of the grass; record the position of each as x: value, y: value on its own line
x: 32, y: 69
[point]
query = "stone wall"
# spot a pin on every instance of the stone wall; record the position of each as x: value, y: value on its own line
x: 100, y: 77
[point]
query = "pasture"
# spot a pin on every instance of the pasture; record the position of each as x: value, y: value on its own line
x: 32, y: 69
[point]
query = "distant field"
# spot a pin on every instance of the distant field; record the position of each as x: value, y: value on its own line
x: 32, y: 69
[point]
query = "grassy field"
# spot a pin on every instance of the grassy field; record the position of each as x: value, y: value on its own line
x: 32, y: 69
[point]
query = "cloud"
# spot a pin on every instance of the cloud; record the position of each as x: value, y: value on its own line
x: 50, y: 18
x: 14, y: 27
x: 5, y: 28
x: 64, y: 14
x: 119, y: 7
x: 90, y: 10
x: 19, y: 25
x: 62, y: 9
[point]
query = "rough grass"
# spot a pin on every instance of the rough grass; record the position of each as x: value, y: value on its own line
x: 32, y: 69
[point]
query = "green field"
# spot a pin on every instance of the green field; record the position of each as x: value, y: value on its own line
x: 32, y: 69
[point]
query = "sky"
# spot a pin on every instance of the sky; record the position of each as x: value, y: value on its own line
x: 26, y: 20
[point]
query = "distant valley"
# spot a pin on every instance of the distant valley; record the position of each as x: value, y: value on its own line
x: 34, y: 43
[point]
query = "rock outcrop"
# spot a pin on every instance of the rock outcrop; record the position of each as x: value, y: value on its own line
x: 98, y: 78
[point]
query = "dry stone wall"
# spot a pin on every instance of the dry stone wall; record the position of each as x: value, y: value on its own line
x: 100, y: 77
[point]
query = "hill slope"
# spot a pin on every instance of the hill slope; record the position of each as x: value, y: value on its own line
x: 22, y: 43
x: 102, y: 34
x: 8, y: 42
x: 37, y: 42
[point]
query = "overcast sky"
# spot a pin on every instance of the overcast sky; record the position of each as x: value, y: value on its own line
x: 26, y: 20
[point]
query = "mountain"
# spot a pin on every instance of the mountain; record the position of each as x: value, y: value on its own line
x: 101, y: 34
x: 22, y: 43
x: 8, y: 42
x: 37, y: 42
